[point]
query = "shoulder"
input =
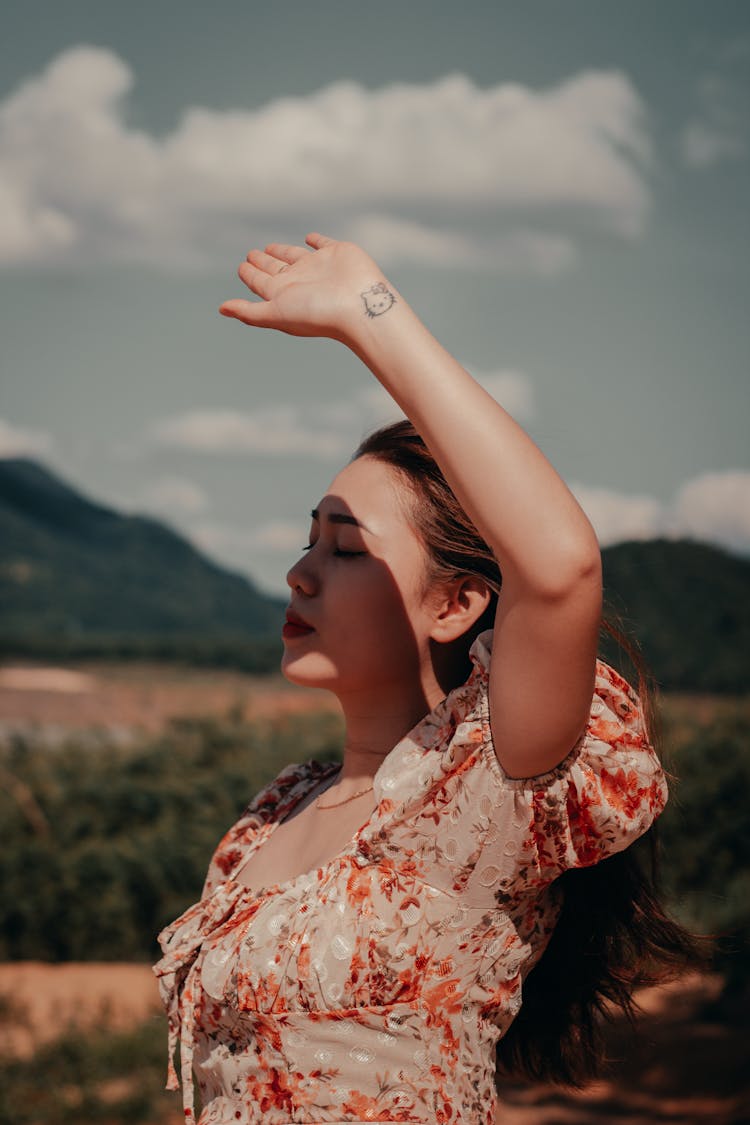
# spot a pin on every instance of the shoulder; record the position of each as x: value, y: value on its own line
x: 615, y: 715
x: 613, y: 763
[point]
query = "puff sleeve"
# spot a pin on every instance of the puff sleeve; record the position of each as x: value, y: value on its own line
x: 604, y: 795
x: 484, y: 837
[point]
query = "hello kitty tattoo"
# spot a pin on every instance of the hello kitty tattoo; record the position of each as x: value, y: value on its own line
x: 378, y: 299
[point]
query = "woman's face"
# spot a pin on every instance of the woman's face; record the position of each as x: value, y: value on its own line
x: 359, y: 588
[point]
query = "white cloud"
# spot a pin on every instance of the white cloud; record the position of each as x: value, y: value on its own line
x: 221, y: 540
x: 275, y: 537
x: 271, y: 430
x: 718, y: 131
x: 16, y: 441
x: 327, y: 431
x: 705, y: 144
x: 617, y: 516
x: 78, y: 184
x: 171, y: 495
x: 392, y: 241
x: 280, y: 535
x: 713, y: 507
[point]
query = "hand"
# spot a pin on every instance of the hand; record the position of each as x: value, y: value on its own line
x: 323, y: 291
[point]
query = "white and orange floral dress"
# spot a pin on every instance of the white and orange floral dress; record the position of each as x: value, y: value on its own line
x: 375, y: 987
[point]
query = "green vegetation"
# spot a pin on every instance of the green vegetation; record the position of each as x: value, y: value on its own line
x: 100, y: 847
x: 255, y: 655
x: 689, y: 605
x: 705, y: 831
x: 104, y: 1076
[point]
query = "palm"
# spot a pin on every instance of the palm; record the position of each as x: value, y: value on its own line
x: 305, y: 292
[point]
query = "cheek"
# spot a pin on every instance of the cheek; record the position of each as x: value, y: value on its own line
x: 378, y: 589
x: 390, y: 615
x: 368, y: 610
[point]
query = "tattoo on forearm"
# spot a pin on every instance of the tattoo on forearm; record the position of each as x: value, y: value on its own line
x: 378, y: 299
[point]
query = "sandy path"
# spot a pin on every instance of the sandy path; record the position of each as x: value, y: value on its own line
x: 40, y: 1000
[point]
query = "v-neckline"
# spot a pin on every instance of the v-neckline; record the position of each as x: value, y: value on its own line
x: 267, y: 832
x: 270, y: 826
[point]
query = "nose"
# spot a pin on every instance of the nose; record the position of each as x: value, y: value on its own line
x: 300, y: 577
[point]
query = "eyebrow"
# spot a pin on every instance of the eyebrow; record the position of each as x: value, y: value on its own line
x: 339, y: 517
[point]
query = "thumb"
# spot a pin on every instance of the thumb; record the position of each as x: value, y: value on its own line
x: 255, y: 313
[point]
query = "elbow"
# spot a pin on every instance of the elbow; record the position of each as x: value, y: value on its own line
x: 584, y: 574
x: 573, y: 573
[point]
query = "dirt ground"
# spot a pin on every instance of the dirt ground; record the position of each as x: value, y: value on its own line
x: 683, y: 1067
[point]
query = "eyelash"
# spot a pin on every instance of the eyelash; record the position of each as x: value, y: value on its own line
x: 339, y: 553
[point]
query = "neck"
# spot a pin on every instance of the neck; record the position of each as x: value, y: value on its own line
x: 377, y: 721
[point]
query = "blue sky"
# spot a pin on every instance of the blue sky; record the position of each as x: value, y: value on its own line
x: 559, y: 188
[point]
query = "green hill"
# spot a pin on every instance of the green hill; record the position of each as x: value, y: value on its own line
x: 78, y: 577
x: 688, y: 605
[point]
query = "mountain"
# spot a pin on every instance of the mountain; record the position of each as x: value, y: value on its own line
x: 75, y: 573
x: 688, y: 605
x: 78, y: 578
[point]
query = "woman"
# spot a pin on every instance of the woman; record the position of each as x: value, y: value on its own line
x: 366, y: 930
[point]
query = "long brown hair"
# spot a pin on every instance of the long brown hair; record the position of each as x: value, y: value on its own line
x: 613, y: 933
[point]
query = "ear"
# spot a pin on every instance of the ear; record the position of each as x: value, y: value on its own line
x: 461, y: 603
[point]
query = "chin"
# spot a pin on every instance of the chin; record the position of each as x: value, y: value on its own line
x: 308, y: 670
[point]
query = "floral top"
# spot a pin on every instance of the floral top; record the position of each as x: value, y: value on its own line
x: 375, y: 988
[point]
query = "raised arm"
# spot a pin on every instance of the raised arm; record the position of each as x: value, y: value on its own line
x: 547, y: 624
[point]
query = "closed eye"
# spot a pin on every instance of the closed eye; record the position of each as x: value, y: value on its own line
x: 338, y: 552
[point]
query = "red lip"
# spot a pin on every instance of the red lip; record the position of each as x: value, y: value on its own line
x: 295, y: 626
x: 295, y: 619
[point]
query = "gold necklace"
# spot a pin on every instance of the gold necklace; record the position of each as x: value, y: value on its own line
x: 346, y: 800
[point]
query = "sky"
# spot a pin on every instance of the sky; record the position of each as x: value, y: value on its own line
x: 558, y: 187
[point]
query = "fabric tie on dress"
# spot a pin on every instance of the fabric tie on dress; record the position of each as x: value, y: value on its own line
x: 178, y: 976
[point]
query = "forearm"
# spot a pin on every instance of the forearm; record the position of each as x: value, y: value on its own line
x: 540, y: 535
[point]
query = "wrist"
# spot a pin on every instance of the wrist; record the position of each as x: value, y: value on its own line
x: 375, y: 315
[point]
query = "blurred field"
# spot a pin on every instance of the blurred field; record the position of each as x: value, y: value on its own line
x: 40, y: 1000
x: 129, y: 700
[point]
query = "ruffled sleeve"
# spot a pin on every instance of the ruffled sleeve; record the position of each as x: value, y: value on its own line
x: 604, y: 795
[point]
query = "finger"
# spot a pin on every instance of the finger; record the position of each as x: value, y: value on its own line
x: 255, y: 313
x: 318, y: 241
x: 288, y: 254
x: 258, y: 280
x: 266, y: 262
